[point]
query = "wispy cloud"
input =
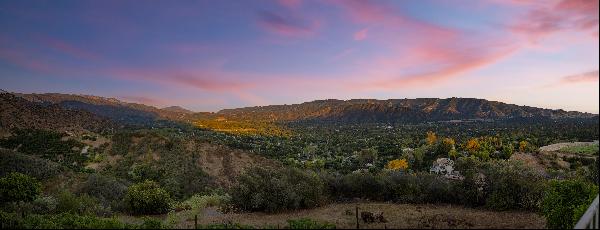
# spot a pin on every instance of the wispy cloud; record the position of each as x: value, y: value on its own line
x: 581, y: 78
x: 68, y: 48
x: 587, y: 77
x: 361, y: 34
x: 418, y: 52
x: 554, y: 17
x: 287, y: 25
x: 200, y: 79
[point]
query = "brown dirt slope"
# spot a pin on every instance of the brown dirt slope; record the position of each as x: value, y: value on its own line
x: 225, y: 164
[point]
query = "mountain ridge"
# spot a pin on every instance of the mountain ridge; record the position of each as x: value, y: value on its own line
x: 352, y: 110
x: 418, y: 109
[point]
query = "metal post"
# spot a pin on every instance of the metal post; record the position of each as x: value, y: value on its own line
x: 590, y: 217
x: 196, y: 221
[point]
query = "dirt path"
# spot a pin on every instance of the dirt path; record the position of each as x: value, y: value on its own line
x: 397, y: 215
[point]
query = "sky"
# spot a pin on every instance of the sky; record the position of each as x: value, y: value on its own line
x: 208, y: 55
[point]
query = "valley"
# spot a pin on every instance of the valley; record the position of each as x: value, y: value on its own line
x: 114, y: 164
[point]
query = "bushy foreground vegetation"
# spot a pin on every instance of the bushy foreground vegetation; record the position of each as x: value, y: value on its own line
x: 498, y: 185
x: 566, y: 201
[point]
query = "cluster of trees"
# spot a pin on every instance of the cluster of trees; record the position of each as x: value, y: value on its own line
x: 338, y: 146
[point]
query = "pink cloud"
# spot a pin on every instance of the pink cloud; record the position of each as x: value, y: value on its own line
x: 361, y: 34
x: 379, y: 13
x: 205, y: 80
x: 587, y: 77
x: 419, y: 52
x: 153, y: 101
x: 27, y: 62
x: 445, y: 63
x: 67, y: 48
x: 36, y: 58
x: 566, y: 15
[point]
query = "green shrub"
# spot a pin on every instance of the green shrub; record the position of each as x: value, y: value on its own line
x: 142, y: 172
x: 71, y: 221
x: 147, y: 198
x: 109, y: 191
x: 201, y: 201
x: 565, y: 202
x: 511, y: 185
x: 306, y: 223
x: 390, y: 186
x: 19, y: 187
x: 84, y: 204
x: 44, y: 205
x: 272, y: 190
x: 60, y: 221
x: 195, y: 204
x: 30, y: 165
x: 359, y: 185
x: 498, y: 184
x: 151, y: 223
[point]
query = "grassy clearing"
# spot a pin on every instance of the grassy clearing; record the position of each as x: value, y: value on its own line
x: 582, y: 149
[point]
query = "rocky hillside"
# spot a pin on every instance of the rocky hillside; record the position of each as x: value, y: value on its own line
x: 16, y: 112
x: 401, y: 110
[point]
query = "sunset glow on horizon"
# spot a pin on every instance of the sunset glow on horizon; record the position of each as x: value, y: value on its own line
x: 212, y: 55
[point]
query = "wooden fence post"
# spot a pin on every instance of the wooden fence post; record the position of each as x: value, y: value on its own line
x: 196, y: 221
x: 357, y: 227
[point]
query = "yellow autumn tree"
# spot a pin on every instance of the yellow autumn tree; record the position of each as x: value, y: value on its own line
x: 398, y: 164
x: 448, y: 141
x: 472, y: 145
x: 523, y: 146
x: 431, y: 137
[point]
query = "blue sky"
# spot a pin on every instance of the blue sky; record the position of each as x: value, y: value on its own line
x: 210, y: 55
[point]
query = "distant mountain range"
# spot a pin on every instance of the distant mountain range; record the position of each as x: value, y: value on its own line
x: 116, y: 110
x: 397, y: 110
x: 53, y: 110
